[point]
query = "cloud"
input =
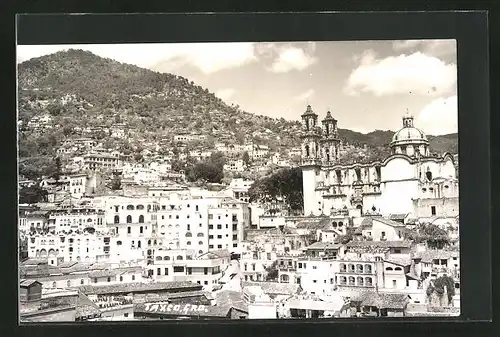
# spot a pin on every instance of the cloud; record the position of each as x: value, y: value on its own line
x: 415, y: 74
x: 207, y: 57
x: 293, y: 58
x: 436, y: 48
x: 225, y: 94
x: 305, y: 95
x: 439, y: 117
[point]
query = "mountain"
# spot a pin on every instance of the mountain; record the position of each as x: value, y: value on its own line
x: 80, y: 89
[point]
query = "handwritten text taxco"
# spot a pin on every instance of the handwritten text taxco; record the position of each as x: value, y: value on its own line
x: 165, y: 307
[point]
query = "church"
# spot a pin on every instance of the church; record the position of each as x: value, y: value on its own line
x: 411, y: 180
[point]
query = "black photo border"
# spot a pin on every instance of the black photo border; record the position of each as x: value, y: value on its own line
x: 470, y: 29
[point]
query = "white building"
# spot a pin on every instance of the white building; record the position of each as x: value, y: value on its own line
x: 388, y: 186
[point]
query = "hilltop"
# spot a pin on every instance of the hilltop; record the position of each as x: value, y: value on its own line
x: 80, y: 89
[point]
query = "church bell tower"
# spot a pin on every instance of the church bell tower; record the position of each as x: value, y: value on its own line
x: 330, y: 142
x: 311, y: 134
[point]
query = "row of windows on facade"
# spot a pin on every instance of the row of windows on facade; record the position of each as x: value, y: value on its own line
x: 141, y: 218
x: 180, y: 269
x: 82, y: 281
x: 351, y: 280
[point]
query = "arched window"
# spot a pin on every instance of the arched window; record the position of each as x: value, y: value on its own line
x: 68, y: 283
x: 342, y: 267
x: 130, y: 207
x: 343, y: 280
x: 368, y: 268
x: 200, y: 235
x: 334, y: 224
x: 188, y: 234
x: 81, y: 281
x: 200, y: 242
x: 307, y: 151
x: 351, y: 268
x: 139, y: 244
x: 368, y: 281
x: 179, y: 257
x: 167, y: 258
x: 428, y: 174
x: 129, y: 218
x: 188, y: 243
x: 154, y: 242
x: 117, y: 219
x: 200, y: 252
x: 351, y: 280
x: 149, y: 242
x: 158, y: 258
x: 360, y: 281
x: 54, y: 284
x: 141, y: 218
x: 341, y: 224
x: 398, y: 268
x: 389, y: 269
x: 140, y: 207
x: 118, y: 243
x: 359, y: 268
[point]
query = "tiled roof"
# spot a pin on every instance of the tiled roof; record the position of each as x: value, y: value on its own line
x: 324, y: 245
x: 381, y: 244
x: 32, y: 261
x: 429, y: 255
x: 382, y: 300
x: 367, y: 222
x: 231, y: 299
x: 314, y: 224
x: 400, y: 261
x: 86, y: 308
x: 389, y: 222
x: 275, y: 288
x: 137, y: 287
x: 103, y: 273
x: 27, y: 283
x: 399, y: 216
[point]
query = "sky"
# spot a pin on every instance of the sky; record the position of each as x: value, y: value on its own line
x: 367, y: 85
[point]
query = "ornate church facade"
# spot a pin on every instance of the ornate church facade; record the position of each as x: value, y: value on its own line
x: 410, y: 180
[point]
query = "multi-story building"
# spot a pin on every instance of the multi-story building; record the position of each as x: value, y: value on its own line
x: 239, y: 188
x: 186, y: 265
x: 99, y: 161
x: 254, y: 263
x: 77, y: 218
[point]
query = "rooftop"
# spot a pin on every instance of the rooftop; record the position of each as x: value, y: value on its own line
x: 274, y: 288
x: 324, y: 245
x: 380, y: 244
x: 429, y: 255
x: 389, y: 222
x: 381, y: 300
x: 138, y: 287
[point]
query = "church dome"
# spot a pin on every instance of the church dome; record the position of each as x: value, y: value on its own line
x: 410, y: 140
x: 409, y: 133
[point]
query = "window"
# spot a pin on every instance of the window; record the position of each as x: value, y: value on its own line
x: 133, y: 277
x: 314, y: 281
x: 219, y: 246
x: 315, y: 267
x: 141, y: 230
x: 219, y: 236
x: 121, y: 278
x: 188, y: 243
x: 397, y: 251
x: 117, y: 219
x: 178, y: 269
x: 200, y: 242
x: 166, y: 271
x: 433, y: 210
x: 394, y: 283
x: 210, y: 216
x: 235, y: 237
x: 235, y: 245
x: 210, y: 226
x: 219, y: 226
x: 53, y: 284
x: 205, y: 282
x: 158, y: 271
x: 109, y: 279
x: 68, y: 283
x: 210, y: 236
x: 179, y: 257
x: 129, y: 219
x: 125, y: 314
x: 141, y: 219
x: 210, y: 246
x: 235, y: 227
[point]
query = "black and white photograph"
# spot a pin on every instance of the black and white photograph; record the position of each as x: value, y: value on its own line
x: 238, y: 180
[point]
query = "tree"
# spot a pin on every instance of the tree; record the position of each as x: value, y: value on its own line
x: 285, y: 184
x: 116, y: 182
x: 58, y: 170
x: 432, y: 235
x: 32, y: 195
x: 437, y: 286
x: 272, y: 272
x: 246, y: 158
